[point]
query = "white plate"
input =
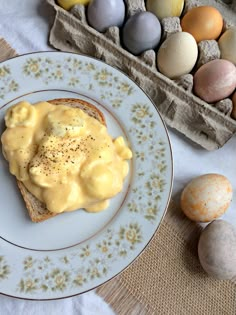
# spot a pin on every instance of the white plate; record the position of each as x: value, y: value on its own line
x: 75, y: 252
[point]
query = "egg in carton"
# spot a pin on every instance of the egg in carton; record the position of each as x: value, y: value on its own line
x: 209, y: 125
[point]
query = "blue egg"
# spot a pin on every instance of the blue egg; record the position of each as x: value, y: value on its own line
x: 103, y: 14
x: 141, y: 32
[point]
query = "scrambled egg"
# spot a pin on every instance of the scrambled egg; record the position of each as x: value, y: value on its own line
x: 64, y: 157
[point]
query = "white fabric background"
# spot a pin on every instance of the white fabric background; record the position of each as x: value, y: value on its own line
x: 86, y: 304
x: 25, y: 25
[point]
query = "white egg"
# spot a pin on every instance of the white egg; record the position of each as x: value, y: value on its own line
x: 206, y: 197
x: 177, y: 55
x: 217, y: 250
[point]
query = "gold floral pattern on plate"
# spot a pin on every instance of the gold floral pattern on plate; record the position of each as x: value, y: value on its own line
x: 44, y: 275
x: 4, y: 269
x: 71, y: 71
x: 7, y: 82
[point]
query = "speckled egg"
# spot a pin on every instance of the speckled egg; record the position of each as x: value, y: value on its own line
x: 215, y: 80
x: 227, y: 45
x: 141, y: 32
x: 103, y: 14
x: 217, y: 250
x: 204, y: 22
x: 177, y: 55
x: 165, y: 8
x: 206, y: 197
x: 68, y: 4
x: 233, y: 114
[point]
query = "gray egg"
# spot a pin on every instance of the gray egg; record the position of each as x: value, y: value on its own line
x: 102, y: 14
x: 217, y: 250
x: 141, y: 32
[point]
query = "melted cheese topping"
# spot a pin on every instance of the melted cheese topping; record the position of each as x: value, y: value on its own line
x: 64, y: 157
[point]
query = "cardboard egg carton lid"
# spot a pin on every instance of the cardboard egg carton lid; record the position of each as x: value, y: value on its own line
x: 201, y: 122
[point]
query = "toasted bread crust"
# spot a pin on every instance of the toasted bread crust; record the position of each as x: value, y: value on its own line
x: 37, y: 209
x: 90, y: 109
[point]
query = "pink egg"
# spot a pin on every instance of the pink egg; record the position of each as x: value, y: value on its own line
x: 215, y: 80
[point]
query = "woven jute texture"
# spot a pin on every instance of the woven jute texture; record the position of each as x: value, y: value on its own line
x: 167, y: 278
x: 6, y: 51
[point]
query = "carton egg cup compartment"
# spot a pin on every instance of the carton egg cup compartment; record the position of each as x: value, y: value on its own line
x: 209, y: 125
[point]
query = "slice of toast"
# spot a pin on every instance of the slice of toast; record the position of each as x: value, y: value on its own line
x: 37, y: 210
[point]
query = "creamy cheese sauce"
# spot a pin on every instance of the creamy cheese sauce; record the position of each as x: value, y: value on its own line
x: 64, y: 157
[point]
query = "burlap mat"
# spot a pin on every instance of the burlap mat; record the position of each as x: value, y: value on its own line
x: 167, y: 278
x: 6, y: 51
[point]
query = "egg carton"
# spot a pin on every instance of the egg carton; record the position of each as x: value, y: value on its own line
x: 208, y: 125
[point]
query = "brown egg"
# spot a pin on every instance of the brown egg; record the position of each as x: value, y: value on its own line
x: 233, y: 114
x: 206, y: 197
x: 203, y: 23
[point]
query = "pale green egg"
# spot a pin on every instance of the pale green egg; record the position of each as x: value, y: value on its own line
x: 165, y: 8
x: 227, y: 44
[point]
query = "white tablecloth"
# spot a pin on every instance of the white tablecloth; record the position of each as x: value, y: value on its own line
x: 25, y: 25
